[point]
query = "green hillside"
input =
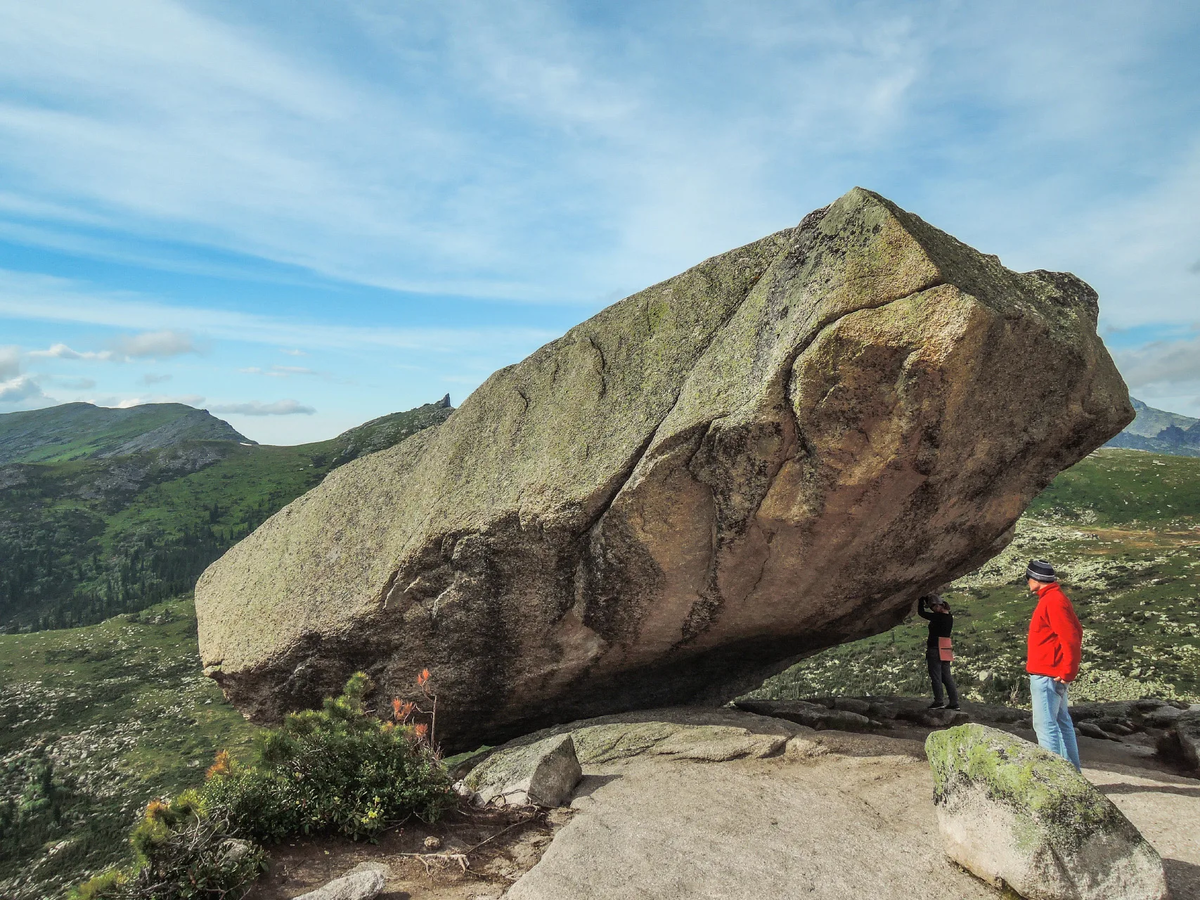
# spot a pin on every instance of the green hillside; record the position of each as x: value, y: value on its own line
x: 94, y: 723
x: 1123, y: 529
x: 86, y: 539
x: 75, y: 431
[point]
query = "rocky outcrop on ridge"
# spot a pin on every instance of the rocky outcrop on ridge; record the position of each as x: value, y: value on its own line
x: 772, y: 453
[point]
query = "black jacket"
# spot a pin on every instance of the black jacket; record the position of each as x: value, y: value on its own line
x: 940, y: 624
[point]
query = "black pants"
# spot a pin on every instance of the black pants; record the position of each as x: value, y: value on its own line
x: 939, y: 674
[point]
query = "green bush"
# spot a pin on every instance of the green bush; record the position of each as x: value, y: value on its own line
x: 337, y: 770
x: 181, y: 852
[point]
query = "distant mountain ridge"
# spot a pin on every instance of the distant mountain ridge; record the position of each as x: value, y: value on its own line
x: 1158, y: 431
x: 75, y: 431
x: 105, y: 511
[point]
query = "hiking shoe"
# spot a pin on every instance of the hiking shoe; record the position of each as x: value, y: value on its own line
x: 936, y: 705
x: 955, y: 706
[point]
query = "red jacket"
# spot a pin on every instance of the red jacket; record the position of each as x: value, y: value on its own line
x: 1055, y: 636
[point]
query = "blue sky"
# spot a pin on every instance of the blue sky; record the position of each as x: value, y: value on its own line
x: 302, y: 216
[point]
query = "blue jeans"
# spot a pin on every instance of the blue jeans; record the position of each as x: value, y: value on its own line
x: 1051, y: 719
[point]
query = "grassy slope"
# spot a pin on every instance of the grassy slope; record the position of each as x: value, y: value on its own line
x: 1122, y: 528
x: 80, y: 430
x: 129, y: 694
x: 115, y: 714
x: 83, y: 540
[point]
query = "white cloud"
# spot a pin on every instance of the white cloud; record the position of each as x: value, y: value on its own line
x: 62, y: 351
x: 10, y: 362
x: 1161, y: 363
x: 22, y: 389
x: 154, y: 378
x: 293, y: 352
x: 257, y: 408
x: 52, y: 299
x: 155, y: 344
x: 147, y: 345
x: 129, y: 402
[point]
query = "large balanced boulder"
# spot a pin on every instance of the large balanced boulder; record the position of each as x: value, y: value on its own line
x: 1019, y: 816
x: 772, y: 453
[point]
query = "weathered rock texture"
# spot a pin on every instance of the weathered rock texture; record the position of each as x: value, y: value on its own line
x: 1017, y: 815
x: 543, y: 773
x: 1182, y: 739
x: 364, y: 882
x: 772, y: 453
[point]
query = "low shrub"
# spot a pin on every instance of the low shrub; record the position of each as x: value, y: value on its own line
x: 181, y: 852
x: 336, y: 770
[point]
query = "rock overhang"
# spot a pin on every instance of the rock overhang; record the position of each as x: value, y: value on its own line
x: 772, y: 452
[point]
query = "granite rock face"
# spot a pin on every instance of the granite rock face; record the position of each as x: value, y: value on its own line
x: 771, y: 453
x: 1017, y: 815
x: 543, y: 774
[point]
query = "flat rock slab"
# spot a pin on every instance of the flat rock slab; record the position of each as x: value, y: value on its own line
x: 698, y: 733
x: 855, y: 819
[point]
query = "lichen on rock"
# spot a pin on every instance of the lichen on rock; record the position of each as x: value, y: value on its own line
x: 1017, y: 815
x: 772, y: 453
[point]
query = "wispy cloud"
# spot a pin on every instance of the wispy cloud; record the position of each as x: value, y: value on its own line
x: 155, y: 345
x: 147, y: 345
x: 154, y: 378
x: 51, y: 299
x: 280, y: 371
x: 257, y: 408
x: 1161, y: 363
x: 62, y: 351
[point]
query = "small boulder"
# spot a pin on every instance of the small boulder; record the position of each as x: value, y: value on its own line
x: 1092, y: 730
x: 1016, y: 815
x: 1182, y: 739
x: 543, y: 774
x: 364, y: 882
x: 852, y: 704
x: 1162, y: 717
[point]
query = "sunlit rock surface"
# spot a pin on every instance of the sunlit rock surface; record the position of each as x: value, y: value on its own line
x: 771, y: 453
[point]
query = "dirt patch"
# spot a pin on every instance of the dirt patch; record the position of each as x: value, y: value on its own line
x: 478, y: 854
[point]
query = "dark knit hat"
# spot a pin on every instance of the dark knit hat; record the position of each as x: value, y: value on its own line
x: 1041, y: 571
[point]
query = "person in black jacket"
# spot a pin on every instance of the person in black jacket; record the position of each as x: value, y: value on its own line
x: 937, y: 652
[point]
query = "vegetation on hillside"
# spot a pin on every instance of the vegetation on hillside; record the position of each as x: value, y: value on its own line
x: 86, y: 539
x: 76, y: 431
x: 94, y: 723
x: 337, y: 770
x: 1121, y: 527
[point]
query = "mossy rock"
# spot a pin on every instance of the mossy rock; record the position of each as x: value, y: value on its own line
x: 1019, y: 816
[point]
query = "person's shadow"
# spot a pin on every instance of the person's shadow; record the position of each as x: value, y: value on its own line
x: 1183, y: 878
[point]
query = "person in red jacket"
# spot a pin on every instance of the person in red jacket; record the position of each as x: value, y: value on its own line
x: 1055, y: 645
